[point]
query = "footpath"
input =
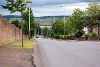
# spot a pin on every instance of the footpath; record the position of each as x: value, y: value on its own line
x: 14, y: 56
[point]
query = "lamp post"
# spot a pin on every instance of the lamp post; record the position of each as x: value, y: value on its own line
x: 64, y: 22
x: 29, y: 21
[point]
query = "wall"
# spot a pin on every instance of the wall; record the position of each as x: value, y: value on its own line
x: 9, y: 32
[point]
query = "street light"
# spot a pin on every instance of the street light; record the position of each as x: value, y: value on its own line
x: 29, y: 21
x: 64, y: 21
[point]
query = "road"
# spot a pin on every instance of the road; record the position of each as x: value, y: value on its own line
x: 59, y: 53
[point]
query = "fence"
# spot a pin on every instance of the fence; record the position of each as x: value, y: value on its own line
x: 9, y: 32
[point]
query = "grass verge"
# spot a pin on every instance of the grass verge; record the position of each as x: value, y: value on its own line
x: 26, y: 44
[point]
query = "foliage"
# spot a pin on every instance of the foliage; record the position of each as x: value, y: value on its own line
x: 21, y: 6
x: 78, y: 34
x: 87, y: 36
x: 16, y: 5
x: 69, y: 26
x: 16, y: 23
x: 70, y: 36
x: 92, y: 16
x: 77, y: 20
x: 45, y: 31
x: 25, y: 16
x: 50, y: 33
x: 94, y: 35
x: 58, y: 27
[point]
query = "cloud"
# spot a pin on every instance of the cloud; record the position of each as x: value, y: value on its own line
x: 52, y: 10
x: 66, y: 9
x: 39, y: 1
x: 52, y: 7
x: 52, y: 2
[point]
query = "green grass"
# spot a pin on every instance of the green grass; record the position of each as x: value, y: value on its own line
x: 27, y: 44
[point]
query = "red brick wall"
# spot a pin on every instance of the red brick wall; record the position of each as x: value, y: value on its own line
x: 9, y: 32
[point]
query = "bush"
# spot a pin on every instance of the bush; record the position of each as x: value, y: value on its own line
x: 87, y: 36
x: 45, y: 31
x: 78, y: 34
x: 61, y: 36
x: 56, y: 36
x: 70, y: 36
x: 94, y: 35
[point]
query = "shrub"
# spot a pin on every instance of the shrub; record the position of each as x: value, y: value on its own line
x: 70, y: 36
x: 94, y: 35
x: 78, y: 34
x: 56, y: 36
x: 87, y: 36
x: 61, y: 36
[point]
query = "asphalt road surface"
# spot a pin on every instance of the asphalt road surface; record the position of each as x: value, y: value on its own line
x: 59, y: 53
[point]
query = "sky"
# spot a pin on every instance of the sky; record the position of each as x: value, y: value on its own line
x: 52, y: 7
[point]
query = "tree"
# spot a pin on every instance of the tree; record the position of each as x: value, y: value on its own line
x: 25, y: 16
x: 58, y: 27
x: 76, y: 21
x: 92, y: 16
x: 20, y: 6
x: 69, y: 26
x: 45, y: 31
x: 16, y: 5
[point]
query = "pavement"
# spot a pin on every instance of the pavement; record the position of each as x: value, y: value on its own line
x: 60, y: 53
x: 13, y: 56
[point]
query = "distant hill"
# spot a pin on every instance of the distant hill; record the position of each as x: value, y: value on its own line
x: 11, y: 16
x: 43, y: 20
x: 45, y: 17
x: 42, y: 17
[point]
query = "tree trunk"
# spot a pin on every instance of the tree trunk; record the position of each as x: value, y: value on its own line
x: 98, y: 32
x: 90, y: 29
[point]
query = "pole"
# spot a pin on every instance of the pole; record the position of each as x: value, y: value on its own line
x: 22, y: 33
x: 38, y: 31
x: 64, y: 24
x: 29, y: 22
x: 54, y: 19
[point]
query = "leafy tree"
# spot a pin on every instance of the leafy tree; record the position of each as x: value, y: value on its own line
x: 34, y: 24
x: 50, y: 33
x: 16, y: 5
x: 25, y: 16
x: 45, y: 31
x: 58, y: 27
x: 21, y: 6
x: 92, y: 16
x: 76, y: 22
x: 69, y: 26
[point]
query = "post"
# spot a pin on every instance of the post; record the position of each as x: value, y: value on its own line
x: 64, y: 25
x: 22, y: 39
x: 22, y: 33
x: 29, y: 22
x: 64, y: 22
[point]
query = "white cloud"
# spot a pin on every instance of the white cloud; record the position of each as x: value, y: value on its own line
x: 39, y: 1
x: 66, y: 9
x: 53, y: 10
